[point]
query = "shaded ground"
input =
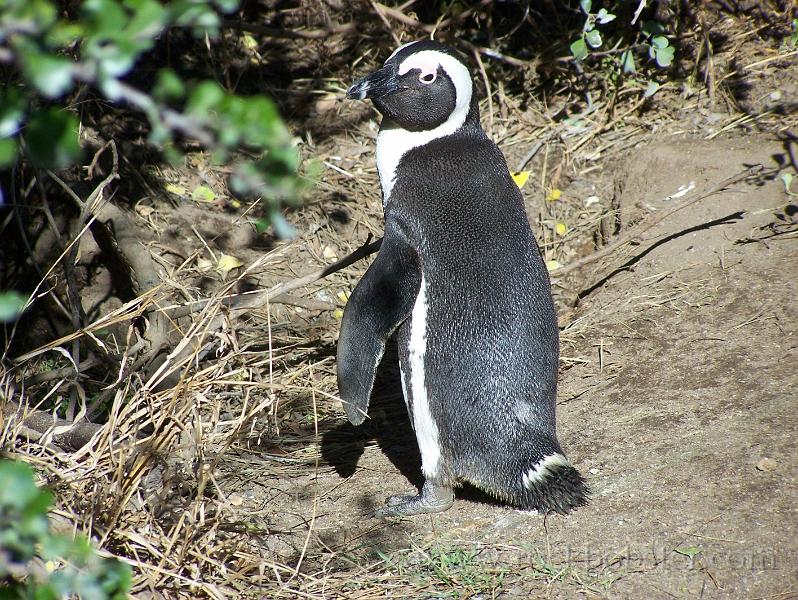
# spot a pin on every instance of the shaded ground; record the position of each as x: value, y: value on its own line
x: 680, y: 409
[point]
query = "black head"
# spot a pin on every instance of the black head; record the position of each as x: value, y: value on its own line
x: 421, y: 86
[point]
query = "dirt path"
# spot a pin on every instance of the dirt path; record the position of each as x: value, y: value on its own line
x: 681, y: 409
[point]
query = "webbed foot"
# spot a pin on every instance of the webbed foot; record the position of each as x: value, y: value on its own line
x: 433, y: 498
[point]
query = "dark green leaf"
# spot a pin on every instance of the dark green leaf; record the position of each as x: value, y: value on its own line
x: 52, y: 138
x: 8, y: 153
x: 653, y: 28
x: 579, y: 49
x: 115, y: 579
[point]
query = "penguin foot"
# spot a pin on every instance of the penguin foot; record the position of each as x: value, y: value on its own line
x: 433, y: 498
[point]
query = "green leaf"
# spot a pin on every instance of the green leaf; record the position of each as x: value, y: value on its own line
x: 664, y: 56
x: 689, y: 551
x: 202, y: 193
x: 593, y: 38
x: 651, y: 89
x: 12, y: 111
x: 168, y: 86
x: 787, y: 179
x: 604, y: 17
x: 56, y: 546
x: 659, y: 41
x: 8, y: 153
x: 579, y: 49
x: 653, y: 28
x: 18, y: 488
x: 52, y: 138
x: 105, y: 18
x: 227, y: 6
x: 116, y: 578
x: 50, y: 75
x: 147, y: 22
x: 628, y: 62
x: 200, y: 16
x: 64, y: 34
x: 11, y: 305
x: 586, y: 6
x: 205, y: 97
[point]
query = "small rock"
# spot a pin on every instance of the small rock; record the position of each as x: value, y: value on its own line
x: 590, y: 200
x: 767, y: 464
x: 236, y: 499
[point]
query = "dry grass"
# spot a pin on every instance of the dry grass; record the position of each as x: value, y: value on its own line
x: 251, y: 392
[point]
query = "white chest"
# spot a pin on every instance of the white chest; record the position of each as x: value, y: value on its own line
x: 393, y: 143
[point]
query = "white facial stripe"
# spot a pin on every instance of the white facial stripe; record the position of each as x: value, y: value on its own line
x: 429, y: 61
x: 393, y: 144
x: 421, y: 61
x: 543, y: 469
x: 400, y: 48
x: 423, y: 421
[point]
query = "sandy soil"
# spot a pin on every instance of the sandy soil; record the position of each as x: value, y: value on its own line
x: 680, y: 408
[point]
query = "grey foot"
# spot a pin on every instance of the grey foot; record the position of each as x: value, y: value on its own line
x: 433, y: 498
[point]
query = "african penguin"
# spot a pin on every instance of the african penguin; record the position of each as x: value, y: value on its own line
x: 459, y: 279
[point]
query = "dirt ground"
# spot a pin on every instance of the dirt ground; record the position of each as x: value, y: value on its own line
x: 680, y: 409
x: 677, y: 395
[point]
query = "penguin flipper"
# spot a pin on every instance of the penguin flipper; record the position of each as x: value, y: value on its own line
x: 381, y: 301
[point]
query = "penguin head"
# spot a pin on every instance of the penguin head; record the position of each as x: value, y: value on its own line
x: 422, y: 86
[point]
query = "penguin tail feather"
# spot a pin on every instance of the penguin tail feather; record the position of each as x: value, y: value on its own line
x: 553, y: 484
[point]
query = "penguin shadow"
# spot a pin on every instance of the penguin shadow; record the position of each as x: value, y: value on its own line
x: 387, y: 424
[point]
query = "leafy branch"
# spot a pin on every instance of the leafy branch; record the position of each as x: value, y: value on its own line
x: 53, y: 55
x: 37, y: 563
x: 651, y: 39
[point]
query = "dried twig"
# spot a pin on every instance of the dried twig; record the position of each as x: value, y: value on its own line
x: 249, y: 300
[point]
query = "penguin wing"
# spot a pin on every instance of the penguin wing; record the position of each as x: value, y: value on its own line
x: 381, y: 301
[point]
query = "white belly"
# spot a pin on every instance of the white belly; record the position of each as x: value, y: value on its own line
x: 423, y: 422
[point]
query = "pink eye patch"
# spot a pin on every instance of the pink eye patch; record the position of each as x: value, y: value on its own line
x: 426, y: 64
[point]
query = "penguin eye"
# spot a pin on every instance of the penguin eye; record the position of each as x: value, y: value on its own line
x: 427, y: 78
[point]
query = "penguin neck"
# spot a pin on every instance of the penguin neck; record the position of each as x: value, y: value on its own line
x: 393, y: 142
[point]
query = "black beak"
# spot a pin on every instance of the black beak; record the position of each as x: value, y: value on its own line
x: 379, y: 83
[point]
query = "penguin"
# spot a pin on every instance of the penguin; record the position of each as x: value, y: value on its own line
x: 459, y: 280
